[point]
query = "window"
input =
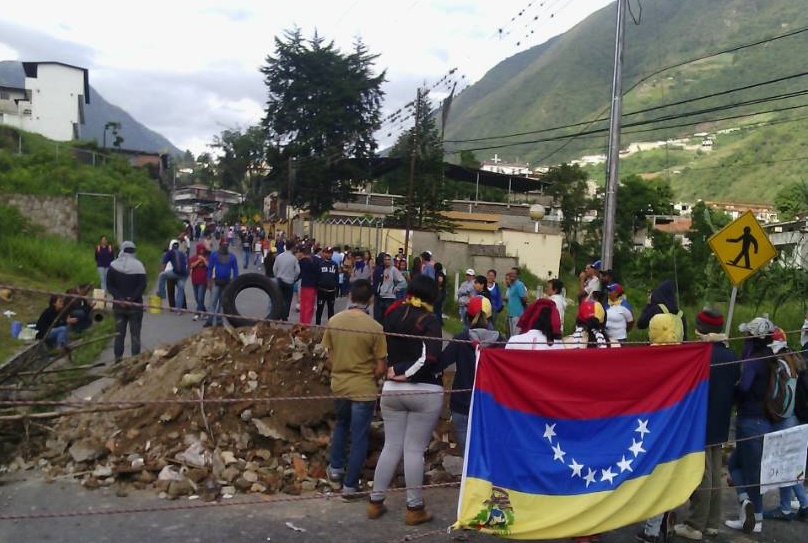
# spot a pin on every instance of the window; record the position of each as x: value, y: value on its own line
x: 4, y: 96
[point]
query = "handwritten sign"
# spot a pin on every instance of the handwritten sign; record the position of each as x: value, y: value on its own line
x: 783, y: 461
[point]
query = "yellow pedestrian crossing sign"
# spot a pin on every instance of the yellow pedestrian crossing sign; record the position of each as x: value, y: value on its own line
x: 742, y: 248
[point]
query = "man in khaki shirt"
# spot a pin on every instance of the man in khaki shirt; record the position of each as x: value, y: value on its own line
x: 357, y: 350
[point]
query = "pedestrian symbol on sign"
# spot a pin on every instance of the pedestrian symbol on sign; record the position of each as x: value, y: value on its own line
x: 746, y: 240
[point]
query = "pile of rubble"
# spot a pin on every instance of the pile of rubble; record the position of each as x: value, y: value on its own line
x: 270, y: 435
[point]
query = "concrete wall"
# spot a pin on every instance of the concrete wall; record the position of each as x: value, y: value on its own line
x: 57, y: 214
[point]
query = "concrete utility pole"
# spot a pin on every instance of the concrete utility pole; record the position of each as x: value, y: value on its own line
x: 612, y: 179
x: 408, y: 214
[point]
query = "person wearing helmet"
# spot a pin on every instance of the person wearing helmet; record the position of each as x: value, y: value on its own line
x: 463, y: 355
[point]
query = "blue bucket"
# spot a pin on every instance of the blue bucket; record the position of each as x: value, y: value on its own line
x: 16, y: 328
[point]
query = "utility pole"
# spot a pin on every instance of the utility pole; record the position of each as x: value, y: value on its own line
x: 612, y: 179
x: 289, y: 197
x: 408, y: 214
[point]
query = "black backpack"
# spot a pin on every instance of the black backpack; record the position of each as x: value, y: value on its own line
x: 801, y: 397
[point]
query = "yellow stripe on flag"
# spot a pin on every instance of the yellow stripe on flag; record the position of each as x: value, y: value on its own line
x: 517, y: 515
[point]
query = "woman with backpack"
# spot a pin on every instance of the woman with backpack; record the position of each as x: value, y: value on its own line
x: 779, y: 346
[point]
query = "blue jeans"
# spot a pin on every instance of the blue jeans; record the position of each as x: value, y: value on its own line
x: 161, y: 286
x: 215, y: 304
x: 102, y: 275
x: 57, y: 336
x: 354, y: 418
x: 199, y: 296
x: 460, y: 423
x: 797, y: 489
x: 744, y: 463
x: 246, y: 251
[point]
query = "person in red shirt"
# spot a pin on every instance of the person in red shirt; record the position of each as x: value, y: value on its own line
x: 199, y: 277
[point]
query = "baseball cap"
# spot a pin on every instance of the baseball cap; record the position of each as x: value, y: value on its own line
x: 615, y: 287
x: 757, y: 327
x: 470, y: 271
x: 128, y: 247
x: 596, y: 264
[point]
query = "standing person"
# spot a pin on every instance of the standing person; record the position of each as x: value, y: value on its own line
x: 542, y: 328
x: 662, y: 300
x: 327, y: 284
x: 412, y: 397
x: 127, y: 283
x: 705, y: 512
x: 751, y: 424
x: 104, y: 255
x: 464, y: 293
x: 417, y: 266
x: 462, y: 352
x: 175, y: 263
x: 222, y: 268
x: 286, y: 269
x: 619, y: 317
x: 555, y: 291
x: 515, y: 299
x: 494, y: 294
x: 308, y: 284
x: 779, y: 346
x: 391, y: 283
x: 347, y: 268
x: 356, y: 350
x: 440, y: 279
x: 401, y: 265
x: 246, y: 245
x: 199, y: 278
x: 361, y: 268
x: 589, y: 281
x: 427, y: 267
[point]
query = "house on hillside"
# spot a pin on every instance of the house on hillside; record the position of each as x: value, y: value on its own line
x: 790, y: 238
x: 45, y: 97
x: 764, y: 213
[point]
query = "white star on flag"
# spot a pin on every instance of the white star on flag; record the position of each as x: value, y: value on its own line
x: 625, y: 465
x: 549, y: 432
x: 576, y: 468
x: 642, y: 428
x: 607, y: 475
x: 590, y: 477
x: 558, y: 454
x: 636, y: 447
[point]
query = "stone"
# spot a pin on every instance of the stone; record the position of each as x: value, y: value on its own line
x: 179, y: 488
x: 250, y: 476
x: 258, y: 487
x: 102, y: 471
x: 193, y: 379
x: 87, y: 451
x: 453, y: 465
x: 242, y: 484
x: 228, y: 458
x: 300, y: 467
x: 230, y: 474
x: 265, y: 428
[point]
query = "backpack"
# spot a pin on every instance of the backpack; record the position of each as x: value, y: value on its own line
x: 668, y: 325
x: 801, y: 397
x: 780, y: 396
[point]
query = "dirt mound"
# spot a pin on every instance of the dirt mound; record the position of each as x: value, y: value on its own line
x: 268, y: 436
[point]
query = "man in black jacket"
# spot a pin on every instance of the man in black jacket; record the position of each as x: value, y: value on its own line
x: 327, y: 283
x: 126, y: 282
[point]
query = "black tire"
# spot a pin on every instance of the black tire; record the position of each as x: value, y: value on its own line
x: 251, y: 280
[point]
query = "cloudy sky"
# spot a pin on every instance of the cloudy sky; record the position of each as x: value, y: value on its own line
x: 189, y: 68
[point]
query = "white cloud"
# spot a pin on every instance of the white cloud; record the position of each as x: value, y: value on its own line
x: 189, y: 68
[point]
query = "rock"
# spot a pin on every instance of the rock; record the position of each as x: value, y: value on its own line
x: 228, y: 489
x: 168, y: 473
x: 242, y: 484
x: 193, y: 379
x: 453, y: 465
x: 228, y: 458
x: 230, y: 474
x: 250, y: 476
x: 197, y: 474
x: 300, y: 467
x: 265, y: 428
x: 102, y: 471
x: 90, y: 483
x: 179, y: 488
x: 258, y: 487
x: 145, y: 477
x: 263, y: 454
x: 87, y: 451
x: 308, y: 486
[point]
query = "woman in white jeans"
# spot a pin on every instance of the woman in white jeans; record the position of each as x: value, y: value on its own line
x: 412, y: 397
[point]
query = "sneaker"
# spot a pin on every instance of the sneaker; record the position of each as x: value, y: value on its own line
x: 778, y: 514
x: 642, y: 537
x: 335, y: 475
x: 688, y: 532
x: 196, y: 317
x: 746, y: 518
x: 351, y: 495
x: 738, y: 525
x: 802, y: 514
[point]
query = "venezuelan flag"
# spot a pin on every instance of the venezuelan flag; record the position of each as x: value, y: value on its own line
x: 574, y: 442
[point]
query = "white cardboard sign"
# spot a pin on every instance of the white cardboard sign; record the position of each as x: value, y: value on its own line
x: 783, y: 460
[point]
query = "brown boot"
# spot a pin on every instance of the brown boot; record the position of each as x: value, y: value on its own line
x: 417, y: 515
x: 376, y: 509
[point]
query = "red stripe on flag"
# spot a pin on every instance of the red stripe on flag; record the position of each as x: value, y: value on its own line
x: 593, y: 383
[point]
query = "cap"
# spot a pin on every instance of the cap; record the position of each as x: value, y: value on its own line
x: 757, y: 327
x: 615, y: 287
x: 596, y: 264
x: 427, y: 254
x: 709, y: 321
x: 478, y: 304
x: 779, y: 335
x: 128, y: 247
x: 470, y: 271
x: 589, y: 309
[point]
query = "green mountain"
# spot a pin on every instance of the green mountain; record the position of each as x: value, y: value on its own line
x: 734, y: 69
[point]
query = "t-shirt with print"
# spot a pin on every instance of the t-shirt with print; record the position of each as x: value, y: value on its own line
x: 355, y: 342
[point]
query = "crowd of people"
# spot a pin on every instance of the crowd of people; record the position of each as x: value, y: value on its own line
x: 391, y: 332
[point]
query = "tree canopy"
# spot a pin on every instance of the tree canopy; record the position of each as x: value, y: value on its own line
x: 323, y: 106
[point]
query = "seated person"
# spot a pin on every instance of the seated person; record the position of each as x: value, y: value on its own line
x: 52, y: 324
x: 80, y: 308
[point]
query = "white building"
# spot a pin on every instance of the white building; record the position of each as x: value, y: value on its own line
x: 508, y: 168
x: 49, y: 100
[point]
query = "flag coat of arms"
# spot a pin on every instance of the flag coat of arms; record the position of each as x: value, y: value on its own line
x: 565, y: 443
